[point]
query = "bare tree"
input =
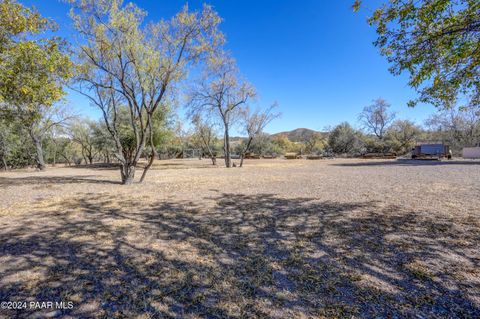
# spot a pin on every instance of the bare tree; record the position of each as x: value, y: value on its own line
x: 126, y: 62
x: 41, y: 122
x: 221, y: 93
x: 254, y: 123
x: 376, y: 118
x: 53, y: 144
x: 205, y: 136
x: 459, y: 128
x: 82, y: 133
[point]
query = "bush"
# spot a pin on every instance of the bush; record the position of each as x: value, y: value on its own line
x: 344, y: 139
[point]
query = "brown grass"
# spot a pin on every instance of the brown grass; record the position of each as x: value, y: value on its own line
x: 275, y: 239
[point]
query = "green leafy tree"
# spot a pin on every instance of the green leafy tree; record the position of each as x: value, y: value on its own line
x: 344, y: 139
x: 33, y: 70
x: 68, y: 151
x: 437, y: 42
x: 402, y: 135
x: 102, y: 141
x: 15, y: 144
x: 282, y: 143
x: 8, y: 141
x: 314, y: 143
x: 17, y: 22
x: 265, y: 146
x: 173, y: 141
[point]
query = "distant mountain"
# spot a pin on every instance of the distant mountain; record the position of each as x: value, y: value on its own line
x: 299, y: 134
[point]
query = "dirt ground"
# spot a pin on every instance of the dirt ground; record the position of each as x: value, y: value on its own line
x: 275, y: 239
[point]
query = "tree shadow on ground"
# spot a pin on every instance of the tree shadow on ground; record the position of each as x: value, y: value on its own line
x: 157, y: 165
x: 409, y: 162
x: 98, y: 166
x: 53, y: 180
x: 192, y: 164
x: 240, y: 256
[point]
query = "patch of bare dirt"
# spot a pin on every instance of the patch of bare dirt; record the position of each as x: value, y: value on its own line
x: 275, y: 239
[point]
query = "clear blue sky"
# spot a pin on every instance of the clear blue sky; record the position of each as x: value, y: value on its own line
x: 316, y: 58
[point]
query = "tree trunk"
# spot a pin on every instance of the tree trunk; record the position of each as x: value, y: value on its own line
x: 84, y: 157
x: 66, y: 159
x: 247, y: 148
x: 213, y: 157
x: 226, y: 148
x: 153, y: 154
x: 37, y: 141
x: 4, y: 163
x: 241, y: 159
x: 54, y: 153
x: 39, y: 153
x: 40, y: 161
x: 127, y: 172
x: 91, y: 155
x: 150, y: 162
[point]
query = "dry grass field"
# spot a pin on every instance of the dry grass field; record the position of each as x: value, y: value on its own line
x: 275, y: 239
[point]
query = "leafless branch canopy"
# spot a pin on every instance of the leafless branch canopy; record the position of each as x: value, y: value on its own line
x: 376, y: 117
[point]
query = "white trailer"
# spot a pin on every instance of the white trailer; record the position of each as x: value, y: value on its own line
x: 471, y: 152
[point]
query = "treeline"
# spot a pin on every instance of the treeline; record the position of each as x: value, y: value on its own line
x: 377, y: 131
x: 137, y: 73
x: 382, y: 132
x: 75, y: 141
